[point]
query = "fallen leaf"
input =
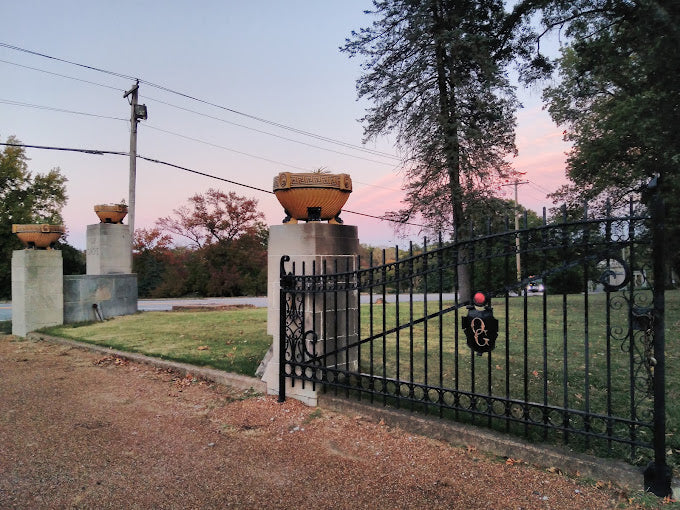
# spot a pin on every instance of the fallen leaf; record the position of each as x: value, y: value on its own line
x: 203, y: 348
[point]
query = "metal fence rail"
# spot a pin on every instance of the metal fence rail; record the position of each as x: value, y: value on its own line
x: 572, y: 357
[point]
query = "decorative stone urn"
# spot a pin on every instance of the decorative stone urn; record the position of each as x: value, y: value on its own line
x: 315, y: 196
x: 38, y: 236
x: 111, y: 213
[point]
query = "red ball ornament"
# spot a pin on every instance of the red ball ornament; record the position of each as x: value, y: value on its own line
x: 479, y: 299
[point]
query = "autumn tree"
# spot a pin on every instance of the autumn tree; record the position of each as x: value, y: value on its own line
x: 150, y: 252
x: 213, y: 216
x: 435, y: 72
x: 228, y: 252
x: 24, y: 198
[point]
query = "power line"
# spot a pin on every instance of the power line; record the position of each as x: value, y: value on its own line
x: 61, y: 75
x: 265, y: 121
x: 98, y: 152
x: 194, y: 98
x: 376, y: 186
x: 24, y: 50
x: 253, y: 156
x: 197, y: 172
x: 539, y: 187
x: 273, y: 134
x: 204, y: 174
x: 225, y: 148
x: 383, y: 218
x: 60, y: 110
x: 190, y: 170
x: 198, y: 140
x: 369, y: 151
x: 361, y: 149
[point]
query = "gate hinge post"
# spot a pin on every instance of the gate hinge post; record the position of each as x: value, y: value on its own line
x: 657, y: 475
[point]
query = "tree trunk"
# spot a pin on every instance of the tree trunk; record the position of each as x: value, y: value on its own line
x: 449, y: 124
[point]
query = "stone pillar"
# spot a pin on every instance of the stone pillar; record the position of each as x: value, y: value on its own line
x: 109, y: 250
x: 312, y: 243
x: 37, y: 290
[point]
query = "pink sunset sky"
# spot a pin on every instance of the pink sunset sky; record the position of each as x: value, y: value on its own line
x: 277, y: 61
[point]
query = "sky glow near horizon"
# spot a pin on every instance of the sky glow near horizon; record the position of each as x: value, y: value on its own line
x: 274, y: 60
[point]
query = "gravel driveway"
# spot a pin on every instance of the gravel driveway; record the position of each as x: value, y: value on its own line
x: 79, y: 430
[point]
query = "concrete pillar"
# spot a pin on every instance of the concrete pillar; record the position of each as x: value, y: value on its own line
x: 109, y: 250
x: 37, y: 290
x: 318, y: 244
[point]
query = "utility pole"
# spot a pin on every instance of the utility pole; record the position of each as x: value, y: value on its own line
x: 518, y: 258
x: 137, y: 112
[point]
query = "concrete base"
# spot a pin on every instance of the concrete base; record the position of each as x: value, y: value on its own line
x: 109, y: 250
x: 114, y: 295
x: 37, y: 290
x: 310, y: 244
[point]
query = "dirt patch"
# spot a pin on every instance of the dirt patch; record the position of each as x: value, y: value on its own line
x: 81, y: 430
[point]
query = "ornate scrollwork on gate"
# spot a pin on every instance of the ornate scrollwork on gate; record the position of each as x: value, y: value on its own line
x: 300, y: 345
x: 614, y: 276
x: 642, y: 326
x: 636, y: 338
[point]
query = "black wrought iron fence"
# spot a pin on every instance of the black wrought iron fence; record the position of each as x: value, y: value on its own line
x: 552, y: 331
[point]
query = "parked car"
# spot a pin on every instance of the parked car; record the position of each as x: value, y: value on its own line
x: 535, y: 287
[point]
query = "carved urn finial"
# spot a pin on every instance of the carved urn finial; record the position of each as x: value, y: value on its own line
x: 314, y: 196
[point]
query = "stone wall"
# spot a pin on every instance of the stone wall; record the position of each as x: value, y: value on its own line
x: 114, y: 295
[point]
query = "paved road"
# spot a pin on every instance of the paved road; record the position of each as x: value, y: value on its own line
x: 155, y: 305
x: 149, y: 305
x: 5, y: 311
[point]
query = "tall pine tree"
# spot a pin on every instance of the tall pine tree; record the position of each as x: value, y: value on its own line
x: 435, y: 72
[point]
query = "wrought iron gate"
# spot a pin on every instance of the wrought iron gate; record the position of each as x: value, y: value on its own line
x: 579, y: 352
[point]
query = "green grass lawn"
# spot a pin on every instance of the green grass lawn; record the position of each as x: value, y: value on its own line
x: 534, y: 361
x: 234, y: 341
